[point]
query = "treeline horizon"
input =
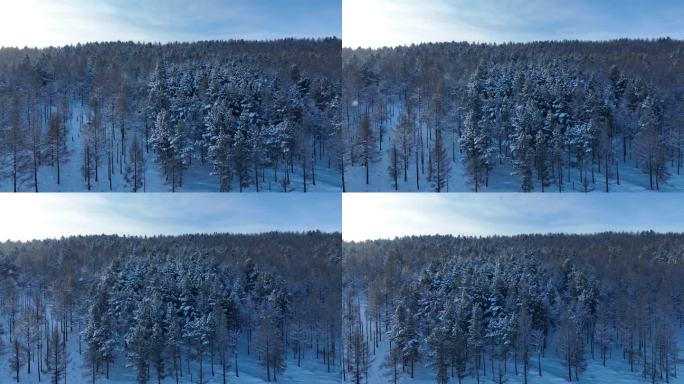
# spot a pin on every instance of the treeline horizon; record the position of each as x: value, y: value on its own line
x: 175, y: 42
x: 500, y: 43
x: 167, y: 236
x: 525, y: 235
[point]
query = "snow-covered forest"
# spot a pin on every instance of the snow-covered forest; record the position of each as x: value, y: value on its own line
x: 189, y: 309
x: 203, y: 116
x: 541, y: 116
x: 532, y: 308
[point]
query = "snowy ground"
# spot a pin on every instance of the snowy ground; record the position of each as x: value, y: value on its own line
x: 615, y: 372
x: 197, y: 178
x: 632, y: 179
x: 250, y: 370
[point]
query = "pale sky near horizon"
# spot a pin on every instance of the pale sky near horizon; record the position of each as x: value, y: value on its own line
x: 368, y: 216
x: 52, y: 215
x: 378, y: 23
x: 41, y: 23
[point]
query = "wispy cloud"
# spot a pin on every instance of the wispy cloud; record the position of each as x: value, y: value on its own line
x: 37, y: 216
x: 375, y: 23
x: 373, y: 216
x: 60, y: 22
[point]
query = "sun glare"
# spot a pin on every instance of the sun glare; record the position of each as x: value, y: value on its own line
x: 23, y: 23
x: 365, y: 23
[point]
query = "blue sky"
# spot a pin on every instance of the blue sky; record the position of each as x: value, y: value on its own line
x: 376, y: 23
x: 60, y: 22
x: 378, y: 215
x: 45, y: 215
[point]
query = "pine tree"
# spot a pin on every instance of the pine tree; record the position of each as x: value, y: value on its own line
x: 400, y: 337
x: 220, y: 147
x: 270, y: 346
x: 438, y: 346
x: 538, y: 339
x: 581, y: 138
x: 165, y: 150
x: 651, y: 147
x: 476, y: 140
x: 173, y: 340
x: 93, y: 133
x: 58, y: 358
x: 92, y: 334
x: 158, y: 96
x: 107, y: 341
x: 568, y: 345
x: 603, y: 333
x: 366, y: 143
x: 181, y: 149
x: 157, y: 350
x: 476, y: 339
x: 138, y: 342
x: 557, y: 144
x: 440, y: 164
x: 523, y: 337
x: 393, y: 167
x: 542, y: 159
x: 472, y: 157
x: 135, y: 170
x: 357, y: 360
x: 258, y: 152
x: 403, y: 138
x: 16, y: 360
x: 221, y: 337
x: 14, y: 144
x: 523, y: 146
x: 459, y: 349
x: 197, y: 335
x: 26, y: 330
x: 241, y: 152
x: 120, y: 113
x: 56, y: 141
